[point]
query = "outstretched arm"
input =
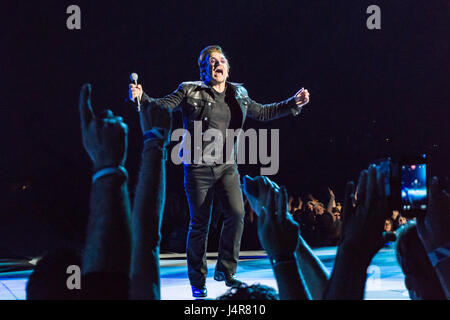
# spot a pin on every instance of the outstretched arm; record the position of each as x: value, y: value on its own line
x: 107, y: 249
x: 272, y: 111
x: 278, y: 234
x: 170, y: 101
x: 149, y: 204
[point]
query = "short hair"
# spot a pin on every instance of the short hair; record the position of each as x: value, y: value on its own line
x: 253, y: 292
x: 203, y: 60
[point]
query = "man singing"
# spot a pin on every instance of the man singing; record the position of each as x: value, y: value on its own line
x: 217, y: 104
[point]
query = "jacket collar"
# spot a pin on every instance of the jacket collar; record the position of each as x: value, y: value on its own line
x: 234, y: 85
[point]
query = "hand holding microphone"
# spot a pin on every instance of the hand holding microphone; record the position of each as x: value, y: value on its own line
x: 156, y: 121
x: 135, y: 91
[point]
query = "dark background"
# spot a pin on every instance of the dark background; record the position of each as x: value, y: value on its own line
x: 373, y: 92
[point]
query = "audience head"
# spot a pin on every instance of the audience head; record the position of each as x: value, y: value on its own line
x: 250, y: 292
x: 388, y: 225
x: 48, y: 280
x: 402, y: 221
x: 319, y: 208
x: 420, y: 278
x: 395, y: 214
x: 336, y: 213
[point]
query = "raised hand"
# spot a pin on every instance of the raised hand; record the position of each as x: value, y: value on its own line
x: 104, y: 137
x: 277, y: 231
x: 302, y: 97
x: 361, y: 237
x: 311, y: 198
x: 156, y: 120
x: 331, y: 193
x: 291, y: 200
x: 363, y: 221
x: 255, y: 190
x: 433, y: 232
x: 300, y: 203
x: 433, y: 228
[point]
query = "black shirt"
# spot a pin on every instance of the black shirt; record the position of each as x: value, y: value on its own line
x: 219, y: 117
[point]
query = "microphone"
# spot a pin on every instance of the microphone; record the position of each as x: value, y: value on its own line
x: 134, y: 78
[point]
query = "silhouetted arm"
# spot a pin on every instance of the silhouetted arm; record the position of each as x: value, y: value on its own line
x: 149, y: 205
x: 348, y: 278
x: 433, y: 230
x: 107, y: 250
x: 291, y: 283
x: 278, y: 234
x: 314, y: 272
x: 362, y: 236
x: 108, y: 244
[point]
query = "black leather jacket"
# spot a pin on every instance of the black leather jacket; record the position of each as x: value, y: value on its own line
x: 195, y: 99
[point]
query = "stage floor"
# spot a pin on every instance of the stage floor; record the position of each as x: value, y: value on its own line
x: 385, y: 278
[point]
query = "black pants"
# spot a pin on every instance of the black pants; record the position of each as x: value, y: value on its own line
x: 200, y: 184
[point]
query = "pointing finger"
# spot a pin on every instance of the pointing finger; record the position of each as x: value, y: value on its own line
x: 84, y: 105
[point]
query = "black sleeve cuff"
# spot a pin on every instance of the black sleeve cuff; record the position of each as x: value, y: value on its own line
x: 295, y: 109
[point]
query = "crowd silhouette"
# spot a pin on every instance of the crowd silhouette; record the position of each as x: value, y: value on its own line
x: 121, y: 256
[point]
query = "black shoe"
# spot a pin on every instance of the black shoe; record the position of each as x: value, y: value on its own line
x: 199, y: 292
x: 229, y: 279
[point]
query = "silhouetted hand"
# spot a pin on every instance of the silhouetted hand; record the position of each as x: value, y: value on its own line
x: 256, y: 189
x: 433, y: 229
x: 104, y: 137
x: 157, y: 119
x: 277, y: 231
x: 363, y: 221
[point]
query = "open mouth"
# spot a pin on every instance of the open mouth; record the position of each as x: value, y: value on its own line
x: 218, y: 71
